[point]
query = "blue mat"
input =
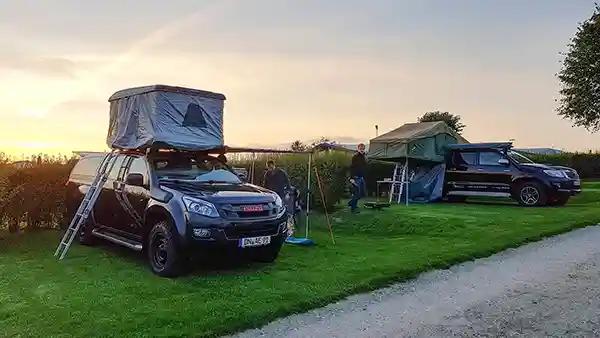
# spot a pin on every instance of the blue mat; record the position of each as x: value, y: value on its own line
x: 300, y: 241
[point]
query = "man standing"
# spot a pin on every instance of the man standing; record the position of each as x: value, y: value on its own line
x: 276, y: 179
x: 357, y: 176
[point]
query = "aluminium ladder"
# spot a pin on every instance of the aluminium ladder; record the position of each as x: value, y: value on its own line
x: 399, y: 179
x: 397, y: 182
x: 87, y: 204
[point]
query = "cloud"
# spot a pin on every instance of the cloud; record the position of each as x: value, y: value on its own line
x: 14, y: 57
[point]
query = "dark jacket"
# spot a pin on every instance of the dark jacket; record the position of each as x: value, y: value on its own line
x: 358, y: 165
x: 276, y: 180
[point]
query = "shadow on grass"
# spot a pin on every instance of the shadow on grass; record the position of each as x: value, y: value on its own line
x: 202, y: 264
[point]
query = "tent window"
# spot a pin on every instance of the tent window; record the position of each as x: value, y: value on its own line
x: 194, y: 116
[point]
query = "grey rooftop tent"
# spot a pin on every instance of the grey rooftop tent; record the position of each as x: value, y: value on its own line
x: 177, y: 117
x: 419, y: 150
x: 424, y: 141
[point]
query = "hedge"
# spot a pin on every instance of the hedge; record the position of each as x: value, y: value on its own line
x: 34, y: 197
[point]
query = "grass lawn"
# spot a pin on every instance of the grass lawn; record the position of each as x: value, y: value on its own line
x: 98, y: 292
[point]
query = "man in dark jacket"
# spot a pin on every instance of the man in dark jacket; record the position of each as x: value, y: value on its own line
x: 276, y: 179
x: 357, y: 176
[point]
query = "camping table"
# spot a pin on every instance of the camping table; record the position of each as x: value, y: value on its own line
x: 384, y: 181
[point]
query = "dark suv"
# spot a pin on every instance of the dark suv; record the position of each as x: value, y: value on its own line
x: 172, y: 204
x: 494, y: 170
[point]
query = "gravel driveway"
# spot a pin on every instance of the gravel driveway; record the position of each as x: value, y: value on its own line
x: 545, y: 289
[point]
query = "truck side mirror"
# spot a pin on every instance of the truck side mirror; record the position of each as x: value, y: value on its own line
x: 135, y: 179
x: 503, y: 161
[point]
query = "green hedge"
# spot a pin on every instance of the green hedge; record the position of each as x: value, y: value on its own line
x: 586, y: 164
x: 35, y: 196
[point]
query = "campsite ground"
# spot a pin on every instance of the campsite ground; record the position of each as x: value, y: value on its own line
x: 109, y: 292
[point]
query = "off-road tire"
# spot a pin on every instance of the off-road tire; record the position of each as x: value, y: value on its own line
x: 269, y: 253
x: 531, y: 194
x: 165, y: 256
x: 559, y: 201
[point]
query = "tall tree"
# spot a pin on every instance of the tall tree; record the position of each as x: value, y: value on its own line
x: 453, y: 121
x: 298, y: 146
x: 323, y: 139
x: 580, y: 76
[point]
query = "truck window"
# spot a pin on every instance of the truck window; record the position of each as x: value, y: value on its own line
x: 464, y: 158
x: 489, y: 158
x: 138, y: 166
x: 115, y: 169
x: 87, y: 166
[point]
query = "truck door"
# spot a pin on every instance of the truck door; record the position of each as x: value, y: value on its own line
x: 134, y: 198
x: 495, y: 173
x: 461, y: 173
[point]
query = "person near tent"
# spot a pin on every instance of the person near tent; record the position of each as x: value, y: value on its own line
x: 357, y: 177
x: 276, y: 179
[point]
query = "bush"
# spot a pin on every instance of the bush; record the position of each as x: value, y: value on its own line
x: 35, y: 195
x: 332, y: 168
x: 586, y: 164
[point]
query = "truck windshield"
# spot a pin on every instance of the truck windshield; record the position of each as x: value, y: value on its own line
x: 519, y: 158
x: 195, y: 168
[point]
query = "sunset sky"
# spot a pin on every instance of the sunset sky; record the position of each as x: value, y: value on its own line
x: 291, y: 69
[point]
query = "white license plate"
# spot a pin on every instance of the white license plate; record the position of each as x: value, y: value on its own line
x: 577, y: 183
x: 254, y: 241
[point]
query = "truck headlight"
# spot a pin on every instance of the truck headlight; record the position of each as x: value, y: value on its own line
x: 555, y: 173
x: 200, y: 207
x: 278, y: 203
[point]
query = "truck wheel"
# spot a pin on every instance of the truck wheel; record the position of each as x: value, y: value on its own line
x: 269, y: 253
x: 531, y: 193
x: 559, y: 201
x: 164, y: 254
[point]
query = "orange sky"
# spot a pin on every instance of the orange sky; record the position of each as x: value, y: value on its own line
x: 297, y: 75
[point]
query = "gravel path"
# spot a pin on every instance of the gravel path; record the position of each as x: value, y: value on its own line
x: 545, y: 289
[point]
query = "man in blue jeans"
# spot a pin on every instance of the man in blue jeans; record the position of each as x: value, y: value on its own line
x: 357, y: 177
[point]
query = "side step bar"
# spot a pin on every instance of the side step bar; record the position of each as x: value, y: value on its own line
x: 128, y: 243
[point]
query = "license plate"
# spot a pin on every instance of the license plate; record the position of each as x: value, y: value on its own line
x: 254, y: 241
x: 577, y: 183
x: 253, y: 208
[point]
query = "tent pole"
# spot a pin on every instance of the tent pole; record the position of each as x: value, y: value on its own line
x: 308, y: 193
x: 407, y: 179
x: 252, y: 168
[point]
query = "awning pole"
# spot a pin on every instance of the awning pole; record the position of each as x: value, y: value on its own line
x: 308, y: 193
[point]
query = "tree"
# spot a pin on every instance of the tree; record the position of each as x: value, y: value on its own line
x: 579, y: 76
x: 453, y: 121
x: 322, y: 140
x: 298, y: 146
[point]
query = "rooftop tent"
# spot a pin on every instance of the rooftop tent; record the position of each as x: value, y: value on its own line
x: 424, y: 141
x: 181, y: 118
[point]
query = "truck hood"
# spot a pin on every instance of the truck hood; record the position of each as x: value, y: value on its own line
x: 222, y: 193
x: 540, y: 166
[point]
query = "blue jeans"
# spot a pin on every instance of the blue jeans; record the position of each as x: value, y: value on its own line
x: 357, y: 193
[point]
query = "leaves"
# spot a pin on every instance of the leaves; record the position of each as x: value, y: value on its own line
x: 580, y: 76
x: 453, y: 121
x: 298, y: 146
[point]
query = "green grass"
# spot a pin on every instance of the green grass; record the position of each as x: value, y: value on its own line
x: 97, y: 292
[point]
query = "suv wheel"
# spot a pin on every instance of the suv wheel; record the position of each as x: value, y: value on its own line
x: 269, y: 253
x: 531, y: 193
x: 164, y: 254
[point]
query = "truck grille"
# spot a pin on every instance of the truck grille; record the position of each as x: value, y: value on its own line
x: 236, y: 211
